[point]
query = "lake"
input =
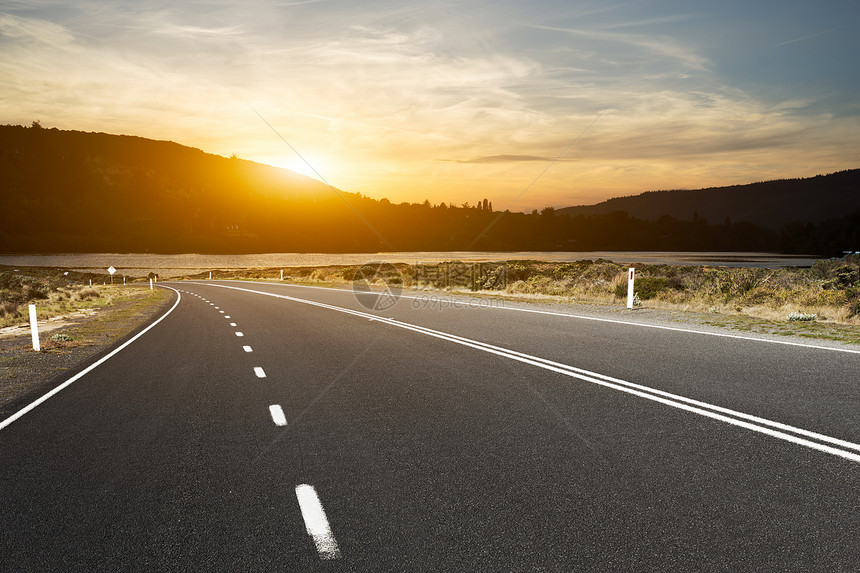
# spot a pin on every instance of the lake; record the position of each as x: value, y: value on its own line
x: 141, y: 264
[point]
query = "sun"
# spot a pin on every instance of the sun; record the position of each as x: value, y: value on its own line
x: 307, y: 165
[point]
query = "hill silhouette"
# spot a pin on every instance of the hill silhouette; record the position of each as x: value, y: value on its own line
x: 71, y: 191
x: 768, y: 204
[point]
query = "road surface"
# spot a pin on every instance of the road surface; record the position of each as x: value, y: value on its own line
x: 287, y: 428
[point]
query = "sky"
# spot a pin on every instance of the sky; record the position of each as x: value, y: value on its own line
x: 527, y: 103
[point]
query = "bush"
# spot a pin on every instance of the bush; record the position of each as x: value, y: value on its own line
x: 649, y: 287
x: 854, y: 308
x: 86, y: 294
x: 801, y: 317
x: 841, y: 278
x: 8, y: 308
x: 33, y: 292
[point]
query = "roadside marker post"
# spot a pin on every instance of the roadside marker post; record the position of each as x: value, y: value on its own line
x: 282, y: 275
x: 210, y: 275
x: 34, y: 328
x: 630, y: 278
x: 150, y: 284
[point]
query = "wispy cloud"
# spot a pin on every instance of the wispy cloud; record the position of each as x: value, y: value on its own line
x: 809, y: 36
x: 657, y: 45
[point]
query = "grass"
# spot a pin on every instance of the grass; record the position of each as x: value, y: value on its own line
x: 55, y: 293
x: 121, y: 312
x: 830, y: 289
x: 758, y: 300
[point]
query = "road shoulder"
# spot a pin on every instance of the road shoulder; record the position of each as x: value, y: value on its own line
x: 82, y: 339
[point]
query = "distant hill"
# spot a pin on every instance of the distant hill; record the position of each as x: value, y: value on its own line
x: 70, y: 191
x: 73, y: 190
x: 769, y: 204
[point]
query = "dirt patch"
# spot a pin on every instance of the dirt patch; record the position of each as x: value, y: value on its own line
x: 69, y: 342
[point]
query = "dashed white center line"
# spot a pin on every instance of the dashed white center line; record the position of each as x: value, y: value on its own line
x: 247, y: 349
x: 316, y: 523
x: 221, y: 311
x: 259, y: 372
x: 226, y: 316
x: 239, y: 333
x: 232, y: 324
x: 278, y: 416
x: 217, y: 307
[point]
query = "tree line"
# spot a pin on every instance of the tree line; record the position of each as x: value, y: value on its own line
x: 66, y: 191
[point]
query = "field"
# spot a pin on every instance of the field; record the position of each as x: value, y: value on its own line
x: 804, y: 299
x: 829, y: 291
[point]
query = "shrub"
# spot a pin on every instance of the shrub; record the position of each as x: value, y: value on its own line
x: 841, y: 278
x: 33, y: 292
x: 85, y: 294
x: 801, y: 317
x: 649, y: 287
x: 854, y: 308
x: 8, y: 308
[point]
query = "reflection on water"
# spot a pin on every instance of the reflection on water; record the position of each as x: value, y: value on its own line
x: 174, y: 265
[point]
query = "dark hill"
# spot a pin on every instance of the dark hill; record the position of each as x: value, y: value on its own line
x: 769, y: 204
x: 70, y: 191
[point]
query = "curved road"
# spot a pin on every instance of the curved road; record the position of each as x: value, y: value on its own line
x: 273, y: 427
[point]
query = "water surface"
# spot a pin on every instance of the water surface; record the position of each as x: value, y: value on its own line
x: 141, y: 264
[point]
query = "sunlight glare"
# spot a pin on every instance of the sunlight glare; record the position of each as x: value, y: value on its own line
x: 295, y: 163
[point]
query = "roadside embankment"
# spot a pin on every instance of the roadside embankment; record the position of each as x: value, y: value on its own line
x: 828, y: 292
x: 77, y: 322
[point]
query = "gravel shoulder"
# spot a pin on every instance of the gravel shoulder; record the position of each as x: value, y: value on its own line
x: 817, y: 333
x: 70, y: 344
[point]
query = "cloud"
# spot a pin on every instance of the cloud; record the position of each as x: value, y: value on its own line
x: 809, y: 36
x: 661, y: 46
x: 509, y: 159
x: 33, y: 29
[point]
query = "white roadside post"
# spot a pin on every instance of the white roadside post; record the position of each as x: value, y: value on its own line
x: 34, y: 328
x: 150, y: 284
x: 630, y: 276
x: 210, y: 275
x: 282, y: 275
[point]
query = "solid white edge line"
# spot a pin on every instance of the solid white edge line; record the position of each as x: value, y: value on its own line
x: 91, y: 367
x: 278, y: 416
x: 609, y: 320
x: 316, y: 522
x: 623, y: 386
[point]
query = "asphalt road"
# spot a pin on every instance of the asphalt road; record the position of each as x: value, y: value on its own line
x: 308, y: 431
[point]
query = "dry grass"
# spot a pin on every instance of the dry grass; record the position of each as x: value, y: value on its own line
x: 54, y: 292
x: 830, y: 289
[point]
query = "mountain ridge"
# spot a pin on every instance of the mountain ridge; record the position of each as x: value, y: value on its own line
x: 72, y: 191
x: 769, y: 204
